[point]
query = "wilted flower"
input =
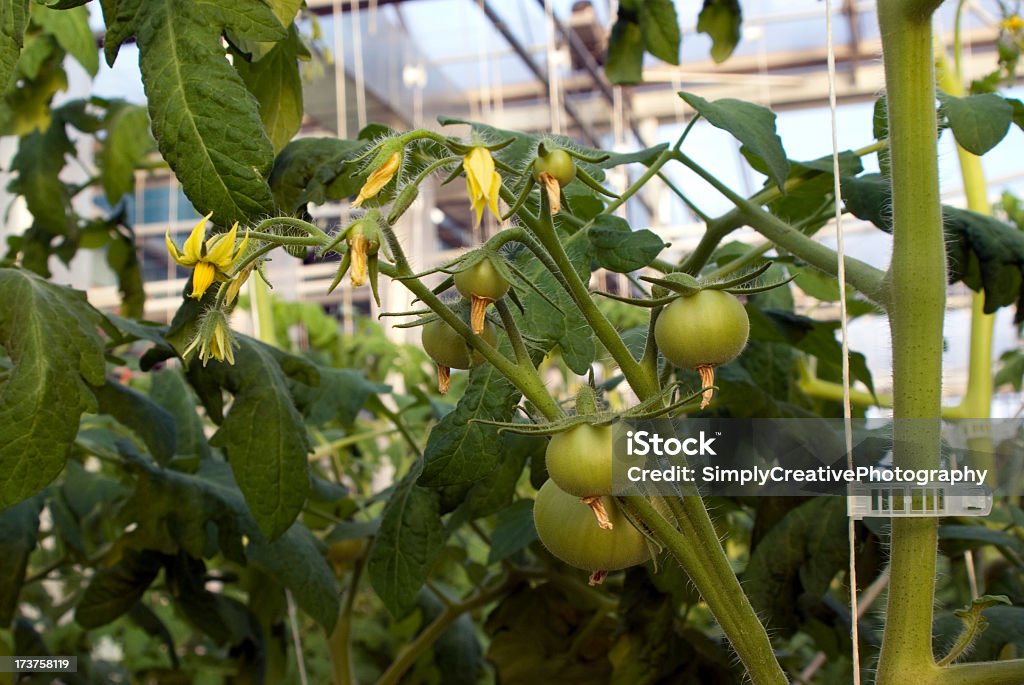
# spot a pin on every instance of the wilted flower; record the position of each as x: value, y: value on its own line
x: 210, y: 260
x: 482, y: 181
x: 381, y: 175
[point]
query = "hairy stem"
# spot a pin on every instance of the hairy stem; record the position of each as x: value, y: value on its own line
x: 917, y: 301
x: 717, y: 583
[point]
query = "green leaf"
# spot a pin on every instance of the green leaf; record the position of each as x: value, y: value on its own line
x: 71, y: 29
x: 619, y: 248
x: 956, y: 539
x: 50, y: 334
x: 306, y: 167
x: 19, y: 528
x: 659, y: 26
x: 795, y: 562
x: 121, y: 19
x: 1018, y: 112
x: 148, y: 420
x: 978, y: 122
x: 625, y: 61
x: 752, y: 125
x: 721, y: 21
x: 248, y: 19
x: 263, y: 436
x: 645, y: 156
x: 340, y: 396
x: 285, y: 10
x: 513, y: 531
x: 13, y: 20
x: 177, y: 511
x: 37, y: 167
x: 113, y: 591
x: 123, y: 260
x: 410, y: 538
x: 277, y: 85
x: 127, y: 143
x: 169, y: 390
x: 496, y: 490
x: 205, y: 122
x: 460, y: 450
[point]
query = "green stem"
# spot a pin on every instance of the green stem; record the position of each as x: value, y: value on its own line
x: 285, y: 239
x: 917, y: 302
x: 651, y: 172
x: 339, y: 642
x: 409, y: 654
x: 514, y: 335
x: 1009, y: 672
x: 644, y: 384
x: 292, y: 222
x: 526, y: 379
x: 717, y: 583
x: 864, y: 277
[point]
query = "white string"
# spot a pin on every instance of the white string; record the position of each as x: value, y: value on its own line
x: 844, y: 333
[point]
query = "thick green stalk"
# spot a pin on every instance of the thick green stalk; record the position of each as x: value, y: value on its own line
x: 1009, y: 672
x: 714, y: 578
x: 917, y: 302
x: 864, y: 277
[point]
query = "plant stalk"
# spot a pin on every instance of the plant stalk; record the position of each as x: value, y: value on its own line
x: 917, y: 302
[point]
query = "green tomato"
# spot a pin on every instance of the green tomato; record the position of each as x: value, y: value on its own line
x: 567, y: 527
x: 579, y: 460
x: 481, y: 280
x: 706, y: 329
x: 558, y: 164
x: 448, y: 348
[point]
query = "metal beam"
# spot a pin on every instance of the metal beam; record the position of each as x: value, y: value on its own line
x: 532, y: 65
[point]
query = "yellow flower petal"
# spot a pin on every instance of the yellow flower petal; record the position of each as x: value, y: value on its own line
x: 494, y: 193
x: 194, y: 244
x: 220, y: 249
x: 172, y: 249
x: 379, y: 178
x: 202, y: 278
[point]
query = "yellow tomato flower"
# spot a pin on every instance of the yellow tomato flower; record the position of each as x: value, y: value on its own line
x: 210, y: 260
x: 482, y: 182
x: 1013, y: 23
x: 379, y: 178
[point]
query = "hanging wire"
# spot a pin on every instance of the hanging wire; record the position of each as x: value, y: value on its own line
x: 844, y: 333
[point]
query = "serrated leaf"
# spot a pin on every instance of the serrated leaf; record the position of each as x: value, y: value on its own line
x: 154, y: 425
x: 178, y: 511
x: 619, y: 248
x: 127, y: 143
x: 752, y: 125
x: 19, y: 528
x: 659, y: 26
x: 277, y: 85
x: 624, y: 64
x: 410, y: 538
x: 721, y: 21
x: 121, y: 19
x: 459, y: 450
x: 513, y: 531
x: 301, y: 170
x: 113, y: 591
x: 799, y: 556
x: 13, y: 20
x: 71, y: 29
x: 978, y: 122
x: 249, y: 19
x: 50, y: 334
x: 263, y: 436
x: 205, y: 122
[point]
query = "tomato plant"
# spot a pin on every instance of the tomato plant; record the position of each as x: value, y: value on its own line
x: 233, y: 508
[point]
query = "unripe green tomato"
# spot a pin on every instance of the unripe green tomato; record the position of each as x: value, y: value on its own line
x: 706, y: 329
x: 579, y: 460
x: 481, y: 280
x: 558, y: 164
x: 567, y: 527
x: 448, y: 348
